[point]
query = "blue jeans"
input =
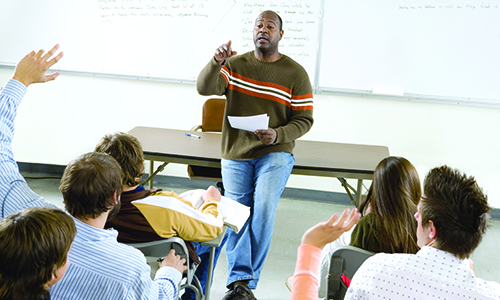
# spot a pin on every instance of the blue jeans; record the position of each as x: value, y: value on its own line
x: 202, y: 270
x: 257, y: 183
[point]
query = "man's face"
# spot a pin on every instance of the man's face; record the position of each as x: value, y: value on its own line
x: 266, y: 32
x: 423, y: 233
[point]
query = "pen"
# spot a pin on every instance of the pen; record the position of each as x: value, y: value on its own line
x: 193, y: 135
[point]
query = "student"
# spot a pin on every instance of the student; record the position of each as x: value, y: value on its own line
x: 14, y: 191
x: 101, y: 268
x: 183, y: 219
x: 257, y: 165
x: 387, y: 224
x: 305, y: 278
x: 34, y: 246
x: 452, y: 218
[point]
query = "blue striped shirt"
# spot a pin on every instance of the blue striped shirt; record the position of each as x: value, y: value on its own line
x: 14, y: 191
x: 100, y: 267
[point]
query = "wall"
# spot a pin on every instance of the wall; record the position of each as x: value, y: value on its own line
x: 60, y: 120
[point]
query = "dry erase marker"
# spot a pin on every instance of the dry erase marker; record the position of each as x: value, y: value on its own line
x: 193, y: 135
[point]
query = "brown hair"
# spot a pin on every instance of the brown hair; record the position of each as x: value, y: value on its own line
x: 458, y: 209
x: 34, y: 243
x: 393, y: 197
x: 89, y: 183
x: 127, y: 150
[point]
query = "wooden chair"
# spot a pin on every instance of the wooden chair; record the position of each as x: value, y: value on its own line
x: 211, y: 121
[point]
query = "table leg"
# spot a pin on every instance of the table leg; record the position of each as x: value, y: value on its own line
x: 151, y: 171
x: 359, y: 192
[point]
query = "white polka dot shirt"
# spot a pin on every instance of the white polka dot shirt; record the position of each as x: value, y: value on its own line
x: 429, y: 274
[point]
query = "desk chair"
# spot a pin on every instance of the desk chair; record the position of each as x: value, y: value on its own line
x: 161, y: 248
x: 345, y: 260
x: 211, y: 121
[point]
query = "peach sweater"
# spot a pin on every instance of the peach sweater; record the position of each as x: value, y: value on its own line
x: 306, y: 278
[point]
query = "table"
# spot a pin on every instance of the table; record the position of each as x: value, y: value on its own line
x: 312, y: 158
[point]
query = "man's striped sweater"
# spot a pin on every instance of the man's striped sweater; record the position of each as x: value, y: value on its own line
x: 280, y: 89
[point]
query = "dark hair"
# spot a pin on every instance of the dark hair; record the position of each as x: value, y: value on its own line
x: 34, y: 243
x: 457, y: 207
x: 88, y: 185
x: 393, y: 197
x: 279, y: 18
x: 127, y: 151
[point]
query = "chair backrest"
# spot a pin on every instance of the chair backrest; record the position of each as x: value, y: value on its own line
x: 213, y: 114
x: 345, y: 260
x: 162, y: 247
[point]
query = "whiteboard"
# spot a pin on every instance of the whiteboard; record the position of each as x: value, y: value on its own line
x: 171, y: 39
x: 442, y: 49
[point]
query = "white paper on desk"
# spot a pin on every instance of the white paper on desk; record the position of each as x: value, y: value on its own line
x: 250, y: 123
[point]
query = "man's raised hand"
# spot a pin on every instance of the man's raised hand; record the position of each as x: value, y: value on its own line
x: 32, y: 68
x: 224, y: 52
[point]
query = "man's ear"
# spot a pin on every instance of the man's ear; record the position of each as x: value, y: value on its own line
x: 115, y: 197
x: 281, y: 34
x: 52, y: 280
x: 432, y: 231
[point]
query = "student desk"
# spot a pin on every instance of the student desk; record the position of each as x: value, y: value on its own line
x: 312, y: 158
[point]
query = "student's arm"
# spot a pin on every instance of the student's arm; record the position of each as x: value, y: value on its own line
x: 30, y: 69
x: 165, y: 284
x: 167, y: 277
x: 183, y: 220
x: 305, y: 279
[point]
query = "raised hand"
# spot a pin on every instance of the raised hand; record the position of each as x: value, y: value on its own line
x: 326, y: 232
x: 224, y: 52
x: 32, y: 68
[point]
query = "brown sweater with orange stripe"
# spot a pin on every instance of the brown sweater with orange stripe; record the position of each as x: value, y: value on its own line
x: 280, y: 89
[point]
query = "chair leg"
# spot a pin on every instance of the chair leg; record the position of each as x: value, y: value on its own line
x: 195, y: 286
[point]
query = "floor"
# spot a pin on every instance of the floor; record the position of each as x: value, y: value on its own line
x: 293, y: 217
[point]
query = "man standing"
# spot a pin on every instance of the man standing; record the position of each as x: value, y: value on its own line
x: 257, y: 165
x: 452, y: 218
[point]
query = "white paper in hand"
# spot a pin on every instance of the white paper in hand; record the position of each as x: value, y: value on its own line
x: 250, y: 123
